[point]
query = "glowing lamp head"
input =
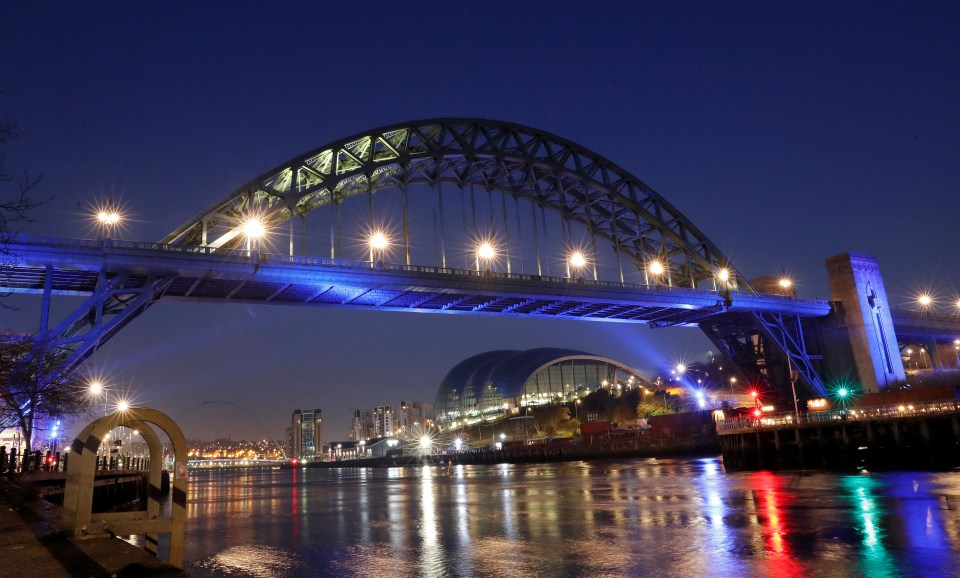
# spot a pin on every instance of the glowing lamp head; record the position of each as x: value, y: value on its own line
x: 925, y: 300
x: 457, y: 444
x: 842, y: 392
x: 503, y: 436
x: 578, y: 260
x: 253, y: 228
x: 425, y: 442
x: 485, y: 251
x: 753, y: 393
x: 123, y: 405
x: 108, y: 217
x: 785, y: 283
x: 723, y: 275
x: 681, y: 368
x: 379, y: 241
x: 655, y: 268
x: 96, y: 388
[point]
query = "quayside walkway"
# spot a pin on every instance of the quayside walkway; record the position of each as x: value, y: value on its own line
x: 32, y: 546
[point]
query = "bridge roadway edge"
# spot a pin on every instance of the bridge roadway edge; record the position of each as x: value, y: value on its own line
x: 30, y: 539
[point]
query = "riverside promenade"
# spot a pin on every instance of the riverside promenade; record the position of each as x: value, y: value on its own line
x: 32, y: 545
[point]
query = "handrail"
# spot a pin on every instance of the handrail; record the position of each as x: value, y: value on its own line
x: 781, y: 419
x: 254, y: 255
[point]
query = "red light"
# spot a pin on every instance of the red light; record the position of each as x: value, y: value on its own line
x: 294, y: 461
x: 753, y: 394
x: 756, y: 412
x: 50, y: 460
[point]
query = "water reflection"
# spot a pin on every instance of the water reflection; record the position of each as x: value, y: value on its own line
x: 633, y: 518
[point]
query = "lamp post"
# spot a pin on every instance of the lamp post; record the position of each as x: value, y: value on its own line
x: 656, y: 269
x: 253, y: 229
x: 108, y: 219
x: 577, y: 262
x: 378, y: 243
x: 486, y: 253
x: 96, y: 388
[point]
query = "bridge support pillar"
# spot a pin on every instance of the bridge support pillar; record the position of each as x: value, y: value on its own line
x: 856, y: 282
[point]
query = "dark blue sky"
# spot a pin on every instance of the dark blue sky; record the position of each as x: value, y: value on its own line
x: 787, y: 131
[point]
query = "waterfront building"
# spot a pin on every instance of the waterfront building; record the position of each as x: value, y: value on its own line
x: 306, y: 437
x: 358, y: 425
x: 383, y: 421
x: 495, y: 384
x: 413, y: 415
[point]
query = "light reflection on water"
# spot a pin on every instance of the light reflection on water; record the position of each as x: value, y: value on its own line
x: 624, y: 518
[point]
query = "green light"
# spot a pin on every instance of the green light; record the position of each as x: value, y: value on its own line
x: 842, y: 392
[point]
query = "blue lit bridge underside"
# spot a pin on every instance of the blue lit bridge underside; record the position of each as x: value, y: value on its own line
x: 537, y: 195
x: 122, y: 279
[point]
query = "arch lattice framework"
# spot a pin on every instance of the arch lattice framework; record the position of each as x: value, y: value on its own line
x: 552, y: 172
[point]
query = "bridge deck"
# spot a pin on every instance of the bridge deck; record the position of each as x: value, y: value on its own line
x: 201, y: 273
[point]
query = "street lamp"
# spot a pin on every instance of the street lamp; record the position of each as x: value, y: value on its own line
x: 378, y: 243
x: 486, y: 252
x: 723, y: 275
x: 925, y: 300
x: 577, y: 261
x: 108, y: 219
x: 253, y: 229
x: 95, y: 389
x: 656, y: 269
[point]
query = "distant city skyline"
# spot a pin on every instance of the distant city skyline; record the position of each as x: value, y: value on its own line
x: 788, y: 133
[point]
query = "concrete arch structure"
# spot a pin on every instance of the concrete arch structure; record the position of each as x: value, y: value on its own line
x: 78, y: 519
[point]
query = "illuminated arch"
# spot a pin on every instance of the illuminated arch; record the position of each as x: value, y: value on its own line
x: 552, y: 172
x: 484, y: 382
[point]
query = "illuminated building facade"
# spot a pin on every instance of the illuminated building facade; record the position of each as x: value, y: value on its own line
x: 306, y: 436
x: 383, y: 421
x: 491, y: 385
x: 413, y: 414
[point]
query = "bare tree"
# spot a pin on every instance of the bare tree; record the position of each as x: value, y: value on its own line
x: 34, y: 389
x: 15, y: 200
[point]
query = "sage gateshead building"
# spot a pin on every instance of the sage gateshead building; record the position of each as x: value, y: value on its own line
x: 495, y: 384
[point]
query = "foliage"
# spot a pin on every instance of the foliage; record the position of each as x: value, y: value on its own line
x: 650, y: 409
x: 548, y: 419
x: 33, y: 387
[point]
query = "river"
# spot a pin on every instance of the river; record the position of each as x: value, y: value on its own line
x: 645, y: 517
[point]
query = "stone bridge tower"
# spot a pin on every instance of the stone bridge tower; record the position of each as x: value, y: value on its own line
x: 856, y: 282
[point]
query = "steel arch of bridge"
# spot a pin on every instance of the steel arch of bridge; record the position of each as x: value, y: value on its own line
x: 552, y: 172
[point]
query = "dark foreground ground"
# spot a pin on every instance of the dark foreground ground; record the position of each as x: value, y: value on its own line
x: 32, y: 545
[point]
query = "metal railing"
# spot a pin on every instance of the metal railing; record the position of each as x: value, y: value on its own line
x: 789, y: 419
x: 253, y: 255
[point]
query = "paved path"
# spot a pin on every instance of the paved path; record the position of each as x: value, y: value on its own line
x: 32, y: 546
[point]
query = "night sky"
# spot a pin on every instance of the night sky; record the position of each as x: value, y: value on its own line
x: 787, y: 131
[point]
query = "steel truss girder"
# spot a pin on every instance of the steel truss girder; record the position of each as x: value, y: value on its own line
x: 110, y: 308
x: 550, y: 171
x: 754, y: 341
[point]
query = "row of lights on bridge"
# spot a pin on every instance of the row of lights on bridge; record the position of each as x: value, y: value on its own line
x: 254, y: 229
x: 927, y: 302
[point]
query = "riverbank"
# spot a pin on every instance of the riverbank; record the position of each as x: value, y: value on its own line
x: 599, y: 449
x: 33, y: 545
